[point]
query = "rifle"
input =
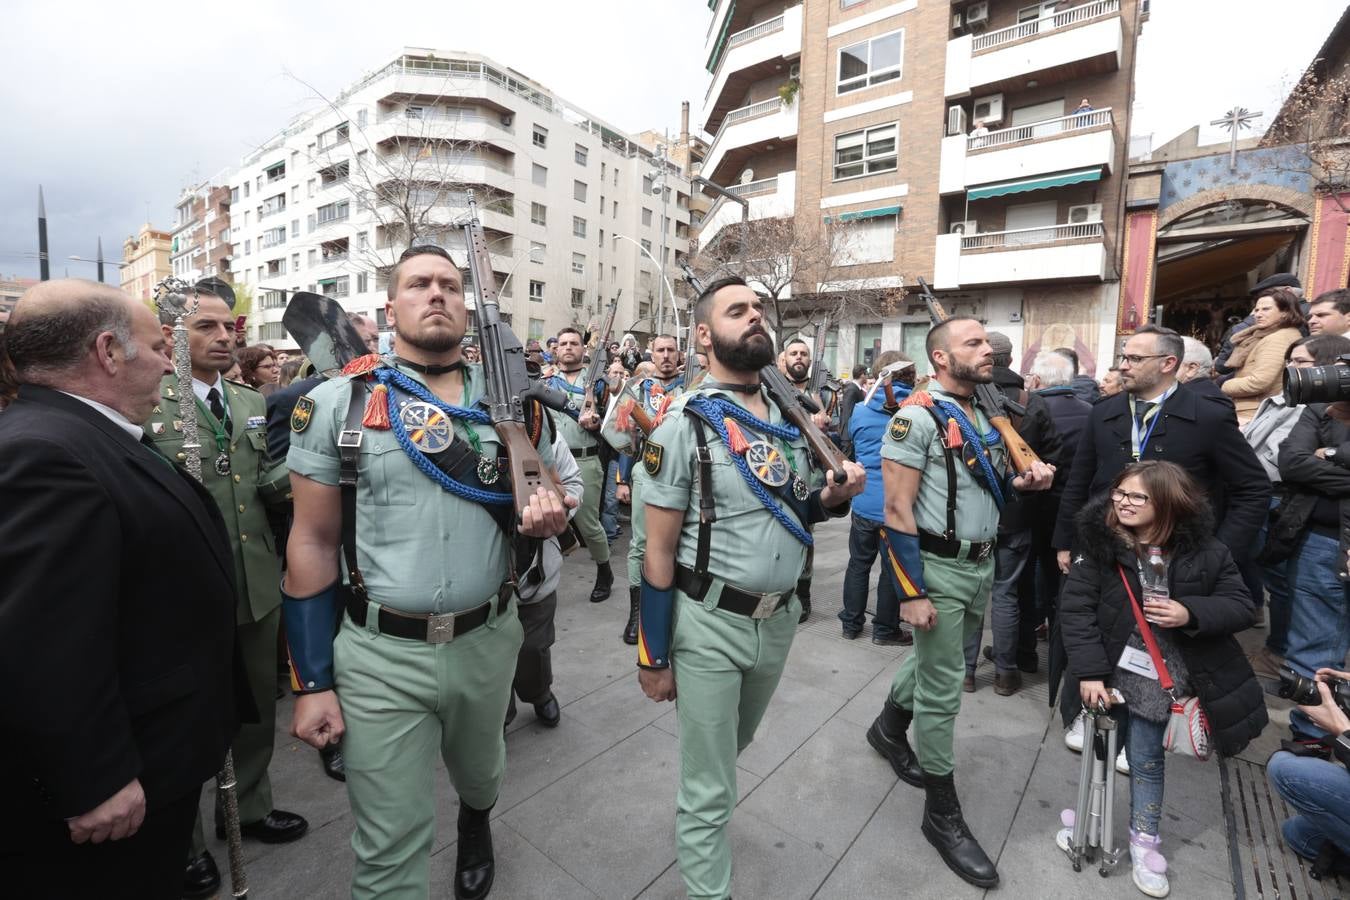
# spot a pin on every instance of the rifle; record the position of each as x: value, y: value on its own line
x: 820, y: 377
x: 793, y: 406
x: 598, y: 356
x: 691, y: 372
x: 508, y: 384
x: 995, y: 404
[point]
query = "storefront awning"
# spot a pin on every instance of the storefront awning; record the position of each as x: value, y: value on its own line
x: 1021, y: 185
x: 869, y: 213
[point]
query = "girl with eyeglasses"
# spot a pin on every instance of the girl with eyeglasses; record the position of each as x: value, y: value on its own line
x: 1154, y: 529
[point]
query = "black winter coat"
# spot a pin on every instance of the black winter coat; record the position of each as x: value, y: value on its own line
x: 1037, y: 428
x: 1096, y: 620
x: 1304, y: 473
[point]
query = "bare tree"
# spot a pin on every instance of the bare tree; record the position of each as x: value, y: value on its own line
x: 1312, y: 132
x: 804, y: 271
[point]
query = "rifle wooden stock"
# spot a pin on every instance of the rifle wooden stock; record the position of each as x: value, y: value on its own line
x: 640, y: 417
x: 1019, y: 452
x: 821, y: 447
x: 527, y: 469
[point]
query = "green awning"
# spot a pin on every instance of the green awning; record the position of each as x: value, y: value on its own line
x: 721, y: 38
x: 870, y: 213
x: 1021, y: 185
x: 280, y: 162
x: 327, y: 281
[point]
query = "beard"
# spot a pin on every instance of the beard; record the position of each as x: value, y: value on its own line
x: 962, y: 372
x: 797, y: 371
x: 751, y: 353
x: 429, y: 338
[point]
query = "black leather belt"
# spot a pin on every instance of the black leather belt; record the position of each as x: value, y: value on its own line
x: 585, y: 452
x: 434, y: 628
x: 952, y: 548
x: 743, y: 603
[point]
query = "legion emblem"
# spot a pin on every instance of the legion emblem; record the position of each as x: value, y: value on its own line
x: 303, y: 412
x: 899, y: 428
x: 767, y: 463
x: 652, y: 456
x: 428, y: 428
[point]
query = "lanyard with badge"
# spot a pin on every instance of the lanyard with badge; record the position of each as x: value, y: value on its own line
x: 222, y: 463
x: 1137, y: 444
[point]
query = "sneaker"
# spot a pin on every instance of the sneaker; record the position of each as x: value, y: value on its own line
x: 1150, y: 869
x: 1073, y: 736
x: 1122, y: 764
x: 1064, y: 837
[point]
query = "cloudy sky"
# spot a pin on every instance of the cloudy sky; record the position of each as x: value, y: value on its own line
x: 134, y: 101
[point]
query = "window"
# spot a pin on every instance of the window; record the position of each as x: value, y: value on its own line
x: 579, y: 191
x: 336, y: 287
x: 248, y: 247
x: 614, y: 214
x: 537, y: 291
x: 309, y: 188
x: 273, y: 205
x: 295, y: 262
x: 540, y: 136
x: 334, y: 136
x: 578, y: 264
x: 295, y: 193
x: 313, y: 258
x: 578, y: 226
x: 234, y: 195
x: 272, y: 331
x: 333, y: 212
x: 295, y: 227
x: 873, y: 241
x: 309, y: 223
x: 362, y: 283
x: 647, y: 245
x: 1034, y: 12
x: 602, y: 173
x: 646, y: 217
x: 362, y: 241
x: 580, y: 154
x: 845, y: 4
x: 578, y: 298
x: 647, y: 184
x: 272, y: 237
x: 538, y: 213
x: 246, y: 188
x: 536, y: 332
x: 865, y: 152
x: 360, y: 118
x: 276, y: 172
x: 870, y: 62
x: 539, y: 175
x: 537, y: 251
x: 273, y: 299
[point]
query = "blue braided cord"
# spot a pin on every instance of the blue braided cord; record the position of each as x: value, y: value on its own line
x: 564, y: 384
x: 970, y: 434
x: 708, y: 406
x: 745, y: 417
x: 419, y: 459
x: 387, y: 376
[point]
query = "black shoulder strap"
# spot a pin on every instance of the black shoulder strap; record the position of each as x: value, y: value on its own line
x: 949, y: 456
x: 707, y: 508
x: 349, y: 460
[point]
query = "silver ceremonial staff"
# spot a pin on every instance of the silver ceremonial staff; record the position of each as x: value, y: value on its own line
x: 171, y: 296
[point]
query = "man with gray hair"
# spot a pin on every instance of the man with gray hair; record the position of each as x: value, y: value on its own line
x: 116, y: 609
x: 1197, y: 370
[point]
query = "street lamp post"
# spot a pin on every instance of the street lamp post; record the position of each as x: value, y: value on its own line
x: 661, y: 272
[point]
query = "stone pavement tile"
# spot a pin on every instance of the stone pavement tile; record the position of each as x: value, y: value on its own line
x: 318, y: 865
x: 1020, y: 719
x: 826, y: 791
x: 537, y: 757
x: 766, y: 862
x: 831, y: 665
x: 523, y: 873
x: 864, y: 706
x: 618, y: 709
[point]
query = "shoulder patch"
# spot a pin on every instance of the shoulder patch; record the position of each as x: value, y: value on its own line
x: 899, y: 428
x: 652, y: 456
x: 303, y: 412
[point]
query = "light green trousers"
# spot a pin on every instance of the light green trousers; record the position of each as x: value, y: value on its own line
x: 929, y: 680
x: 403, y: 701
x: 587, y: 519
x: 726, y: 669
x: 637, y: 521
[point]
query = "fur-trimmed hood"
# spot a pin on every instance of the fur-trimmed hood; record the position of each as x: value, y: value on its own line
x: 1100, y: 543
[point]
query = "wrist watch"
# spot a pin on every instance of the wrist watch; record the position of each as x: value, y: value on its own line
x: 1329, y: 453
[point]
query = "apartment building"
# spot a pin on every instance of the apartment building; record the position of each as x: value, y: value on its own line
x: 575, y: 211
x: 146, y: 261
x: 955, y: 136
x: 200, y: 239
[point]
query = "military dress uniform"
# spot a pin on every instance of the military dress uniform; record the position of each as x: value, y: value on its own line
x: 243, y: 481
x: 585, y: 447
x: 423, y: 664
x: 731, y: 614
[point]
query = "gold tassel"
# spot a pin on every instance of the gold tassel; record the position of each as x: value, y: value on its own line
x: 377, y: 409
x: 954, y: 439
x: 623, y: 418
x: 735, y: 437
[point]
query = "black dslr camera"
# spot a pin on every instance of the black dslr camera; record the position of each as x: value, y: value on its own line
x: 1303, y: 691
x: 1319, y: 384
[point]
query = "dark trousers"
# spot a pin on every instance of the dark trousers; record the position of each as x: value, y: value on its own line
x: 864, y: 540
x: 534, y: 664
x: 39, y: 860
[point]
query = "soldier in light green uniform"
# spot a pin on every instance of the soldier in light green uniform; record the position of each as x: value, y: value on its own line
x: 727, y: 504
x: 946, y: 480
x: 579, y: 429
x: 651, y: 395
x: 232, y: 431
x: 423, y: 661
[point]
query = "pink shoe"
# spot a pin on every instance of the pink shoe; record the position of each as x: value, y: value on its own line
x: 1150, y: 868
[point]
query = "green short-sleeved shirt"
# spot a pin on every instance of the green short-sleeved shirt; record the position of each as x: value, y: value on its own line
x: 913, y: 439
x: 577, y: 438
x: 750, y: 549
x: 420, y: 548
x: 640, y: 391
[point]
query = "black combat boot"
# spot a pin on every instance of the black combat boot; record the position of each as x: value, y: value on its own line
x: 631, y: 629
x: 946, y: 829
x: 474, y: 866
x: 887, y: 737
x: 804, y: 595
x: 604, y: 582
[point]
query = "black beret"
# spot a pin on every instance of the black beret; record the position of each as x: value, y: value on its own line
x: 1276, y: 281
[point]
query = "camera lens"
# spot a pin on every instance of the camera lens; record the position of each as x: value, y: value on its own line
x: 1318, y: 384
x: 1295, y: 687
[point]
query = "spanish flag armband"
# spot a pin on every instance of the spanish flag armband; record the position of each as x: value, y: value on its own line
x: 903, y: 563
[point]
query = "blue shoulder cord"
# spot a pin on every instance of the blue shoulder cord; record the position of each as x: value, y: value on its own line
x: 573, y: 389
x: 391, y: 378
x: 714, y: 410
x: 968, y: 432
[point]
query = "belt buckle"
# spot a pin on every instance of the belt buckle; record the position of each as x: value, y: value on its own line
x: 767, y: 604
x: 440, y: 628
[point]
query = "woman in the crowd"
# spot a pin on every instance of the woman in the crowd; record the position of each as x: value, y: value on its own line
x: 289, y: 370
x: 1154, y: 530
x: 258, y: 366
x: 1258, y: 352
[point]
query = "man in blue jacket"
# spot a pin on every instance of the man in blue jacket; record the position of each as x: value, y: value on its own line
x: 866, y: 428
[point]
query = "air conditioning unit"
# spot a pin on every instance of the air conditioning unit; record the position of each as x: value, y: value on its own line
x: 988, y: 109
x: 956, y: 120
x: 795, y: 70
x: 1087, y: 212
x: 977, y: 16
x: 969, y: 226
x: 507, y: 119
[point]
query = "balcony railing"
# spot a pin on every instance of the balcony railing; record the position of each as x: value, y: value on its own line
x: 1045, y: 24
x: 1037, y: 130
x: 1018, y: 237
x: 745, y: 36
x: 755, y: 188
x: 753, y: 111
x: 430, y: 114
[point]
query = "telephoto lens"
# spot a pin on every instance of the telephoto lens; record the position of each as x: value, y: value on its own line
x: 1318, y: 384
x: 1295, y: 687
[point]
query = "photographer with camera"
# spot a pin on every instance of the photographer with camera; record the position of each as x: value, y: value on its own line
x: 1150, y: 540
x: 1318, y: 789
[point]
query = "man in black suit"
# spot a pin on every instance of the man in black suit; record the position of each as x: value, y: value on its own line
x: 116, y: 610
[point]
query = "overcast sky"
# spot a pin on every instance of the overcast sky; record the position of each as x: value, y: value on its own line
x: 114, y: 108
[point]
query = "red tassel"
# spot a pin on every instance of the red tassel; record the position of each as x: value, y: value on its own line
x: 377, y: 409
x: 918, y: 398
x: 623, y: 418
x: 954, y: 438
x: 661, y: 409
x: 735, y: 437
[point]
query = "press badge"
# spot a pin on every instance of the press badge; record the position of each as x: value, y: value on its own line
x: 1139, y: 662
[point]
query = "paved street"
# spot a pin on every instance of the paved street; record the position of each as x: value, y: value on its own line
x: 587, y: 810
